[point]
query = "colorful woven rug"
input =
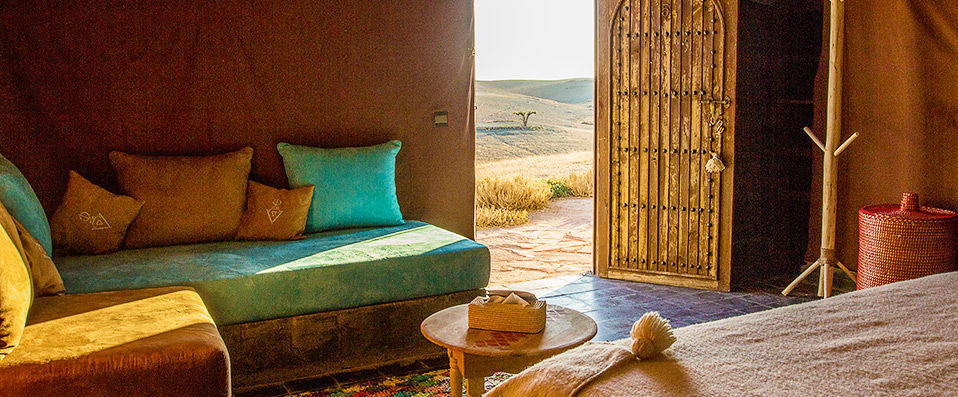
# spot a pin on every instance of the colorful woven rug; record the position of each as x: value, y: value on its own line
x: 429, y: 384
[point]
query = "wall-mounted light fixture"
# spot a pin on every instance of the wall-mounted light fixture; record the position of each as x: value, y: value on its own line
x: 440, y: 119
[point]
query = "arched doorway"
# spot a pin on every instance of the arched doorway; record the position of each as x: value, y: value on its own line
x: 665, y: 87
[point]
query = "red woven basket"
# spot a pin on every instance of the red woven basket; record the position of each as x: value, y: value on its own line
x: 906, y: 241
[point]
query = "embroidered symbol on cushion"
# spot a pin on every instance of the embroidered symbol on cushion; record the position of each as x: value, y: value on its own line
x: 275, y: 212
x: 98, y: 222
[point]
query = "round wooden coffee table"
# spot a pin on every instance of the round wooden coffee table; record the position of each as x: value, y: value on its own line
x: 475, y: 354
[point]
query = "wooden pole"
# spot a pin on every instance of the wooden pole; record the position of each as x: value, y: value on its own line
x: 831, y: 149
x: 833, y: 131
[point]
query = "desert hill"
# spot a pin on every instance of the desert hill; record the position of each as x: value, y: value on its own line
x: 573, y: 91
x: 562, y: 123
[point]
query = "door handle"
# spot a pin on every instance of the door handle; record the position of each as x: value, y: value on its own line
x: 715, y: 116
x: 724, y: 102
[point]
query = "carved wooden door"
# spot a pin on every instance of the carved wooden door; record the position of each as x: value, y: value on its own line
x: 669, y: 102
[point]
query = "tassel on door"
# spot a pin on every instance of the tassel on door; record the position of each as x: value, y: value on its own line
x: 715, y: 164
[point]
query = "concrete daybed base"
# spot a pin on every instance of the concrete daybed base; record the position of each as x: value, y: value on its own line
x: 311, y: 345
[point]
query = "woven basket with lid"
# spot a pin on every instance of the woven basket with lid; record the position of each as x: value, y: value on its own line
x: 905, y: 241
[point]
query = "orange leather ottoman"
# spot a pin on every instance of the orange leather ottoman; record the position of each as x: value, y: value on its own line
x: 157, y: 342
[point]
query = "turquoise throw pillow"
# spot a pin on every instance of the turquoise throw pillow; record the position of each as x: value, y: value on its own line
x: 21, y: 201
x: 355, y: 187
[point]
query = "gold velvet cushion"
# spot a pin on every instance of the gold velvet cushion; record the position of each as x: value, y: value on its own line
x: 143, y: 342
x: 16, y: 286
x: 185, y: 199
x: 91, y: 220
x: 274, y: 214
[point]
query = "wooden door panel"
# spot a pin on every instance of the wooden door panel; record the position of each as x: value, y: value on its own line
x: 667, y: 101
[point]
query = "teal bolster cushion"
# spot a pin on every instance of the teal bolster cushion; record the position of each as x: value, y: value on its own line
x: 355, y: 187
x: 21, y: 201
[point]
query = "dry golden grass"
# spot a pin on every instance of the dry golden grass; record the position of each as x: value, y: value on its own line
x: 513, y: 193
x: 581, y: 184
x: 506, y: 201
x: 498, y: 217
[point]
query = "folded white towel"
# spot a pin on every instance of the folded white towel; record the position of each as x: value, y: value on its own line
x: 578, y: 367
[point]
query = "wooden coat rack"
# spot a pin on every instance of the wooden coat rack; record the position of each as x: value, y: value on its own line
x: 831, y: 149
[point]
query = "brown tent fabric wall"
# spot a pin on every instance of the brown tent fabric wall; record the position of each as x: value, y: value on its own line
x: 81, y: 78
x: 901, y: 94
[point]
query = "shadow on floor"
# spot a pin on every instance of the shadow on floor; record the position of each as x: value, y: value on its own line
x: 614, y: 305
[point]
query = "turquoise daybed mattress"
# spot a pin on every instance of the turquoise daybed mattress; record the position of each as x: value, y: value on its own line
x: 251, y: 281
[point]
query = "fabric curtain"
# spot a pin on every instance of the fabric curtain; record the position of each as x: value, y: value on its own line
x: 81, y: 78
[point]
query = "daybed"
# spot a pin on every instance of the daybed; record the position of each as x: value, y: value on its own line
x: 898, y: 339
x: 327, y: 303
x: 324, y: 303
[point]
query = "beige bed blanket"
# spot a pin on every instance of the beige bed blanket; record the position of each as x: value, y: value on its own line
x: 899, y: 339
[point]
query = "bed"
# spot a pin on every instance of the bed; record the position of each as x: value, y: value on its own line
x: 898, y: 339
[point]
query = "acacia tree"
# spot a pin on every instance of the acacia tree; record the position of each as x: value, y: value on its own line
x: 525, y: 117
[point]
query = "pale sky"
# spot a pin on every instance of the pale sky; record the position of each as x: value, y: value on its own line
x: 534, y: 39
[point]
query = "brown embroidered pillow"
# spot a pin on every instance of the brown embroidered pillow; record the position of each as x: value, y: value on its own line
x: 274, y: 214
x: 46, y: 277
x: 185, y: 199
x: 91, y: 220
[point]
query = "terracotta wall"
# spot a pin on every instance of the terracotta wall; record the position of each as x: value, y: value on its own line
x: 81, y: 78
x: 901, y: 94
